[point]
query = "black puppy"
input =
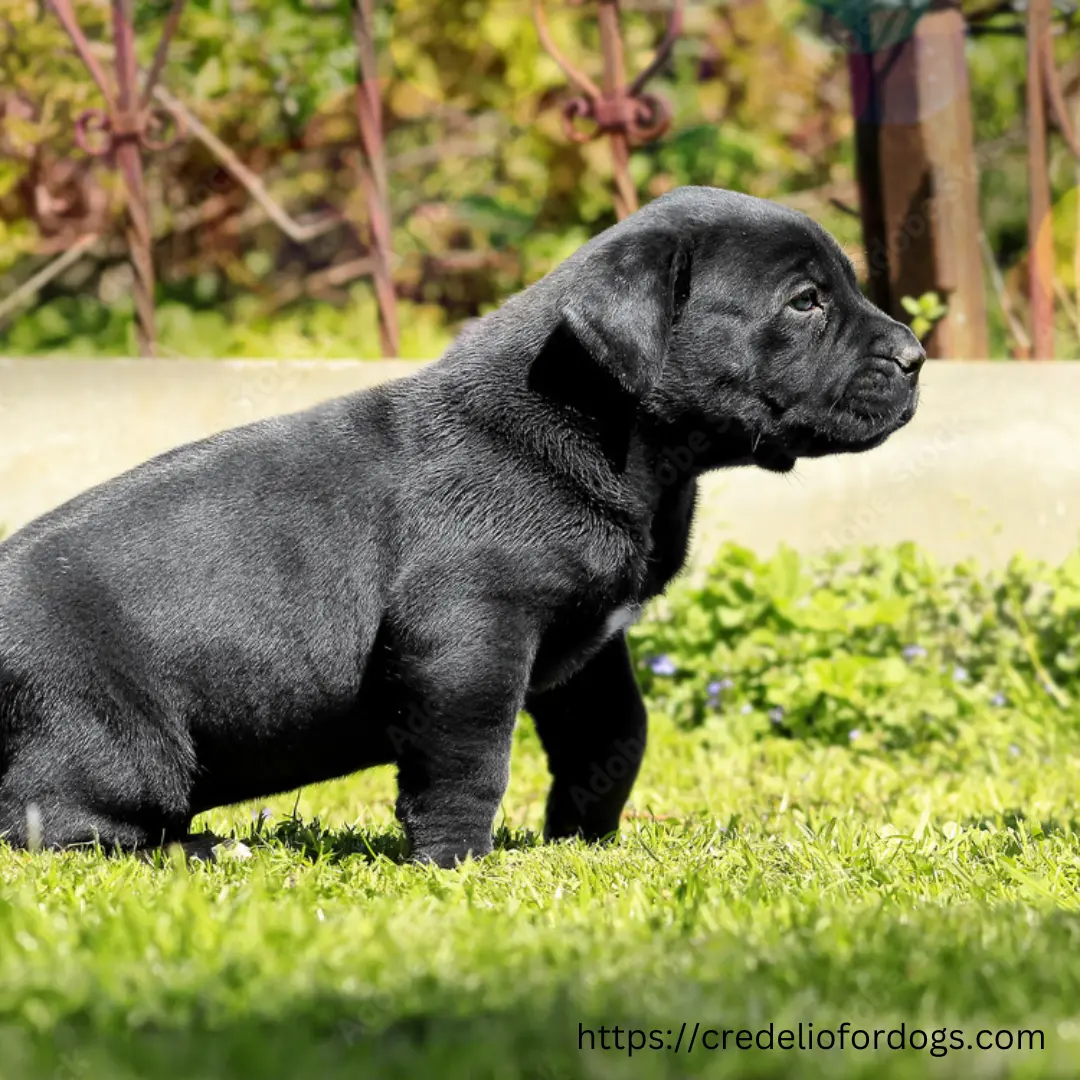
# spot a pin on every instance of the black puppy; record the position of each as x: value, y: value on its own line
x: 392, y: 576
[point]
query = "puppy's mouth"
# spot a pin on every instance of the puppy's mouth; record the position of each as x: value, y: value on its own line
x: 876, y: 402
x: 856, y: 431
x: 774, y: 457
x: 852, y: 426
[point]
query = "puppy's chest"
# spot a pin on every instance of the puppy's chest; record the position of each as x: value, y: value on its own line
x: 617, y: 620
x: 575, y: 638
x: 610, y: 600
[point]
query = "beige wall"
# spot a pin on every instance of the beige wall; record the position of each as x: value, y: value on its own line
x: 990, y: 465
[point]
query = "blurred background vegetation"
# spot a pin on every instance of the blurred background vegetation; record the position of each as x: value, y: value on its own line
x: 486, y: 193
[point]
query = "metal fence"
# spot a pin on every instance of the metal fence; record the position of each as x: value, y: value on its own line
x: 920, y: 229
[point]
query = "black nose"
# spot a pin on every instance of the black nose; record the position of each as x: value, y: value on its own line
x: 911, y: 358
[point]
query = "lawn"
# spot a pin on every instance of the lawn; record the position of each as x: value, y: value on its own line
x: 896, y: 847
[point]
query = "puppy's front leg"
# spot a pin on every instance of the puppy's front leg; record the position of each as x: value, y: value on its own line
x: 593, y: 729
x: 452, y: 735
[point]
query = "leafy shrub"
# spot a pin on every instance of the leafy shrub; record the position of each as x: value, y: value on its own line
x: 879, y: 645
x: 85, y: 327
x: 925, y: 310
x: 875, y: 647
x: 486, y: 193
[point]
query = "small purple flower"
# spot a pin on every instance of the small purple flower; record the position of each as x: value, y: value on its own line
x: 914, y: 652
x: 960, y: 674
x: 662, y: 665
x: 854, y: 734
x: 776, y: 715
x: 747, y: 709
x: 999, y: 700
x: 718, y: 686
x: 1014, y: 749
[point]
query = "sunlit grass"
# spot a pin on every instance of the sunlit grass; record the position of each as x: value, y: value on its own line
x: 756, y: 882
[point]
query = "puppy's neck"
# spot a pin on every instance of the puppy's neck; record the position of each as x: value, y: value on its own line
x: 685, y: 448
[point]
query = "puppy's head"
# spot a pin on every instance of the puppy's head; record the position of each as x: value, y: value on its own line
x: 743, y: 319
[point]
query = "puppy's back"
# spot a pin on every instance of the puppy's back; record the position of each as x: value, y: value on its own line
x: 250, y: 559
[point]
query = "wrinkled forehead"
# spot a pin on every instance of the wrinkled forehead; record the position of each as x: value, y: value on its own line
x: 776, y: 249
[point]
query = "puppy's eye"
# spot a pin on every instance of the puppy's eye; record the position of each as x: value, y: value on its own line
x: 807, y: 300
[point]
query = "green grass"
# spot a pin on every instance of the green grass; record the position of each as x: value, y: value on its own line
x: 759, y: 879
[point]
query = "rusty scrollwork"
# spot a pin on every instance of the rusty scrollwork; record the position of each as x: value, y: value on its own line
x: 623, y: 111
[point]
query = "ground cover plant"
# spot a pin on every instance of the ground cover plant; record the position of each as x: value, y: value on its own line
x: 858, y: 807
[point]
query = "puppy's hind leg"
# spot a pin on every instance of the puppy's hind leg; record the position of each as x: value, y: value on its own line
x: 51, y: 823
x: 58, y: 793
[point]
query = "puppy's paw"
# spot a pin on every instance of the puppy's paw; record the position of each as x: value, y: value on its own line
x: 231, y: 849
x: 565, y: 823
x: 553, y: 834
x: 201, y: 847
x: 449, y: 856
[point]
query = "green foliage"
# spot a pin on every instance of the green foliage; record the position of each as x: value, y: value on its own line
x: 881, y: 647
x: 925, y: 310
x: 486, y: 192
x: 756, y: 881
x: 81, y: 326
x: 780, y: 882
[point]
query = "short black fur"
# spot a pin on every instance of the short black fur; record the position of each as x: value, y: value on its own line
x: 392, y: 576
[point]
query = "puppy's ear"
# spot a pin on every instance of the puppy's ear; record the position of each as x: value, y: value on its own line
x: 625, y: 301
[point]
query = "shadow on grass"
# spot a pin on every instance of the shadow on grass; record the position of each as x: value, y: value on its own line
x: 315, y: 842
x: 1017, y: 821
x: 326, y: 1038
x: 324, y: 1041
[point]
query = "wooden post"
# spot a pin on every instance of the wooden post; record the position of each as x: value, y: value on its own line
x: 918, y: 180
x: 129, y: 160
x: 1040, y: 232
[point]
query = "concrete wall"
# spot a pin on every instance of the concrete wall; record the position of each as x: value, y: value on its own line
x: 989, y: 466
